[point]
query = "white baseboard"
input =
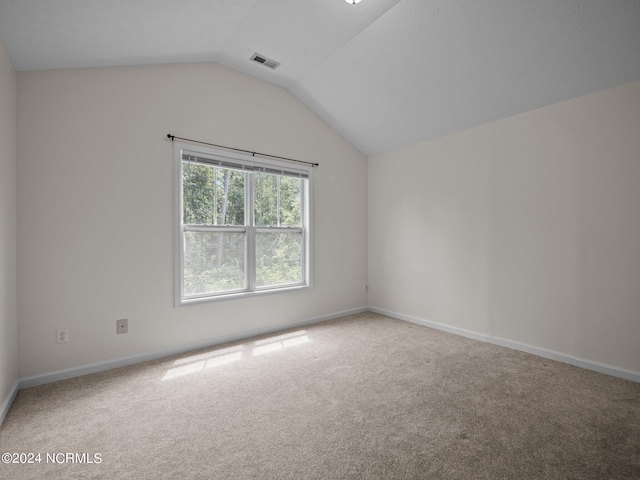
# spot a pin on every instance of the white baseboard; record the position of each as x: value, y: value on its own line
x: 49, y: 377
x: 427, y: 323
x: 538, y: 351
x: 8, y: 400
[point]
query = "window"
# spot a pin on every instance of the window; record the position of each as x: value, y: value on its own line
x: 242, y: 225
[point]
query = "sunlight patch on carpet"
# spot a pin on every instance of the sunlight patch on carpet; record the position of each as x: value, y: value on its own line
x: 225, y: 356
x: 280, y: 342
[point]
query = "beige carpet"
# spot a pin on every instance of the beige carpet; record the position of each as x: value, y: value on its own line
x: 364, y: 397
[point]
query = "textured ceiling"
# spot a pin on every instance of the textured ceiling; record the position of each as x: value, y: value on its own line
x: 384, y: 73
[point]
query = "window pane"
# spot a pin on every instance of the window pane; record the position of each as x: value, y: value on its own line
x: 212, y: 195
x: 277, y: 200
x: 278, y: 258
x: 213, y: 262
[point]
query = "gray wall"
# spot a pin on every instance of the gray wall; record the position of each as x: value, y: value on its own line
x: 8, y: 302
x: 95, y: 203
x: 525, y: 229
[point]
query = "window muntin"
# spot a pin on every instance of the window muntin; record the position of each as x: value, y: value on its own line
x: 243, y: 226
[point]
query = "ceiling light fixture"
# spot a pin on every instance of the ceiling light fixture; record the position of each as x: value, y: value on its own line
x: 353, y: 2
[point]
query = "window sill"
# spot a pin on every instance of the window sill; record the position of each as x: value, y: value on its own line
x: 242, y: 295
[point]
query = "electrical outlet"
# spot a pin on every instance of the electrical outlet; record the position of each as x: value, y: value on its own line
x: 122, y: 326
x: 62, y: 335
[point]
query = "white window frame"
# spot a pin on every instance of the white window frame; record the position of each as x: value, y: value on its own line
x: 250, y: 164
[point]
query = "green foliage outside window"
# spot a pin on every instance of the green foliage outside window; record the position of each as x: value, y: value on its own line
x: 212, y: 195
x: 277, y: 200
x: 214, y: 260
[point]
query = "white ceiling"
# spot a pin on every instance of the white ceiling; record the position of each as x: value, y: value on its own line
x: 384, y: 73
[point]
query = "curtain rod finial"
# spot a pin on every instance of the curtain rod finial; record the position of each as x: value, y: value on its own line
x: 170, y: 136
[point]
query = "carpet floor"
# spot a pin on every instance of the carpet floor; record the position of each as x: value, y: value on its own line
x: 361, y: 397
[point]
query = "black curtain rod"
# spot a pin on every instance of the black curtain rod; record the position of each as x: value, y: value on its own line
x: 253, y: 154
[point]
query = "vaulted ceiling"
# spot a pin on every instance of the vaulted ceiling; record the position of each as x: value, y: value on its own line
x: 383, y: 73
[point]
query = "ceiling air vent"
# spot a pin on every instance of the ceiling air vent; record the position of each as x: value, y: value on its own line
x: 272, y: 64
